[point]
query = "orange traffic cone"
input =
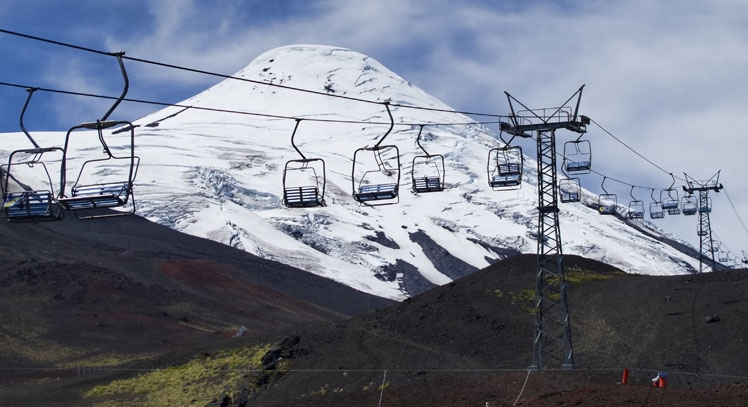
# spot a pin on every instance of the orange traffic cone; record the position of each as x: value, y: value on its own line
x: 663, y: 379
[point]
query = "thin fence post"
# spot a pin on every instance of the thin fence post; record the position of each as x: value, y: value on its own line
x: 381, y: 393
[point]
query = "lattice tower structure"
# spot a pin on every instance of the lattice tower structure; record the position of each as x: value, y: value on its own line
x: 552, y: 340
x: 707, y: 260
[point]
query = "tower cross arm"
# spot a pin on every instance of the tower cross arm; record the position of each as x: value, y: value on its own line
x: 577, y: 126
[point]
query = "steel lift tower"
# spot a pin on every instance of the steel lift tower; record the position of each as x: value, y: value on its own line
x: 706, y: 243
x: 552, y: 335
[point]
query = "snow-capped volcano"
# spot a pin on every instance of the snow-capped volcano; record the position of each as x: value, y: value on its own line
x: 219, y: 175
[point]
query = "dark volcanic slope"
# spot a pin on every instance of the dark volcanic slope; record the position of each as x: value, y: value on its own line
x: 445, y: 344
x: 101, y: 292
x: 76, y: 292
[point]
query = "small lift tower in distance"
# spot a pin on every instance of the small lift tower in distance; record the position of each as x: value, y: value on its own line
x: 552, y: 337
x: 704, y: 208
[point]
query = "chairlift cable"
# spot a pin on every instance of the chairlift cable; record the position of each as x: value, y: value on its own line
x: 219, y: 110
x: 224, y: 76
x: 735, y: 210
x: 633, y: 150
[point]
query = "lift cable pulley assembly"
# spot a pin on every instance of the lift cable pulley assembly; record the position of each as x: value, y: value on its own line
x: 104, y: 185
x: 32, y: 199
x: 303, y: 179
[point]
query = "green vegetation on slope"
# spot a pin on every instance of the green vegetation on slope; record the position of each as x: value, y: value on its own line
x: 198, y: 382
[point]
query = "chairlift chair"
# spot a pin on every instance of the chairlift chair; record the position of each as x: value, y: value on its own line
x: 505, y: 165
x: 689, y: 205
x: 376, y: 179
x: 636, y: 207
x: 427, y: 171
x: 103, y: 186
x: 606, y: 202
x: 32, y: 196
x: 303, y: 179
x: 569, y: 189
x: 655, y: 208
x: 577, y: 156
x: 723, y: 255
x: 670, y: 200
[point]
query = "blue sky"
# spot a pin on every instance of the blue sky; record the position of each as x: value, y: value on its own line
x: 666, y: 77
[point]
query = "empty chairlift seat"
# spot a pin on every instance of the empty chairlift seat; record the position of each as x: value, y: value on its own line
x: 301, y: 197
x: 505, y: 167
x: 102, y: 183
x: 508, y: 175
x: 28, y: 205
x: 427, y: 170
x: 577, y: 157
x: 96, y: 196
x: 636, y: 207
x: 570, y: 190
x: 636, y: 210
x: 670, y: 200
x: 36, y: 199
x: 655, y: 210
x: 671, y: 205
x: 375, y: 174
x: 304, y: 183
x: 689, y: 205
x: 376, y: 192
x: 427, y: 184
x: 607, y: 203
x: 303, y: 179
x: 28, y: 192
x: 379, y: 184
